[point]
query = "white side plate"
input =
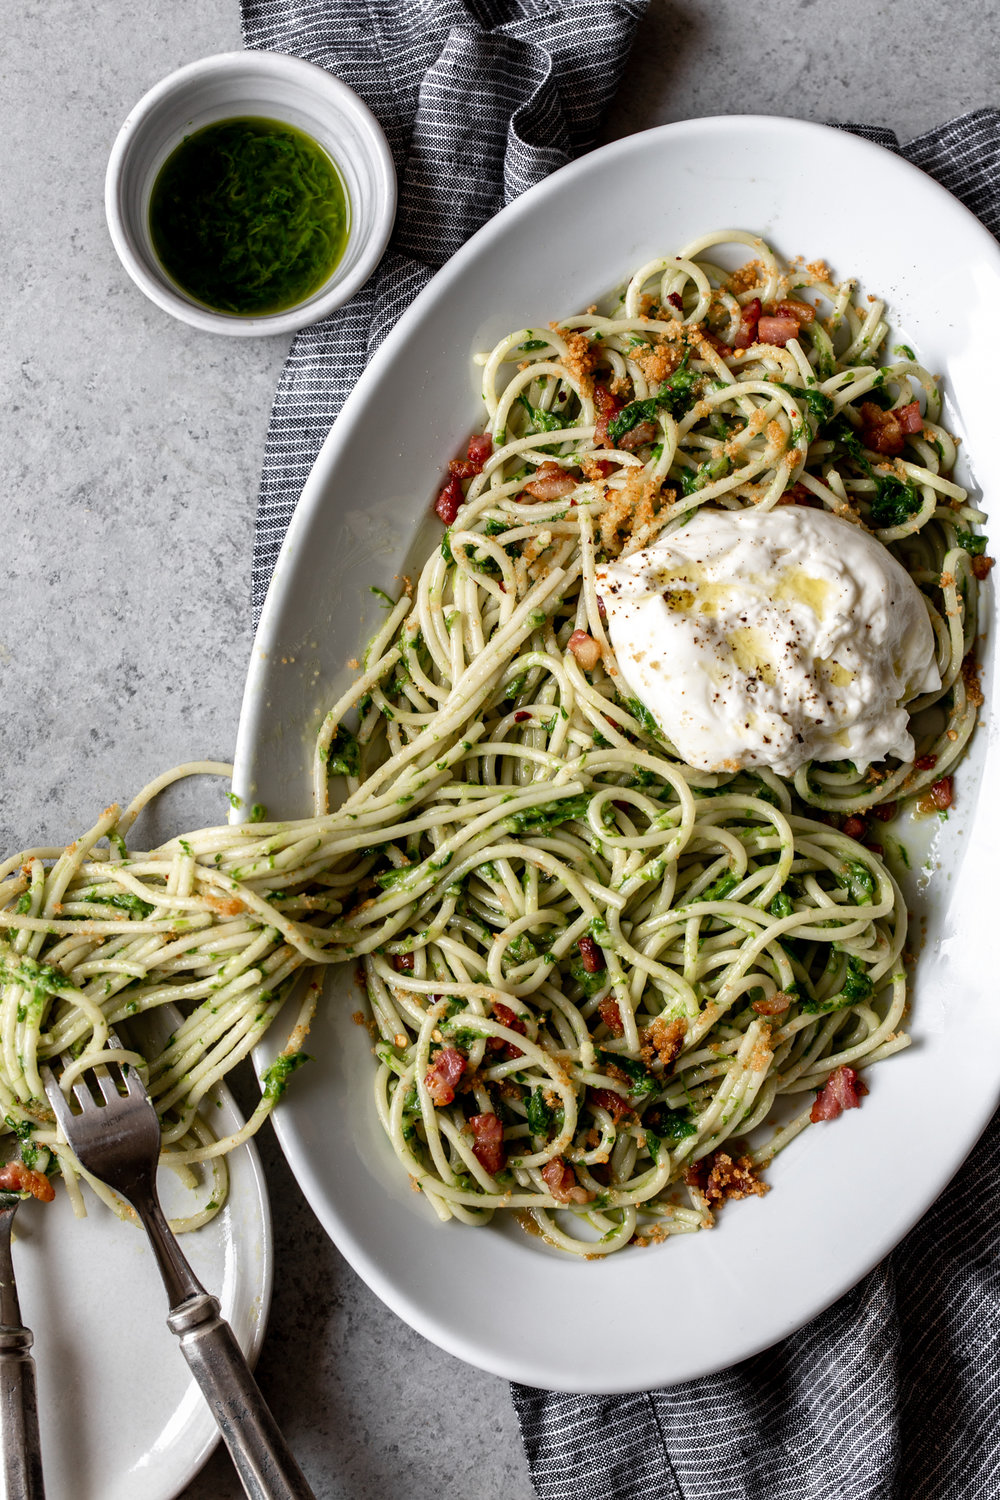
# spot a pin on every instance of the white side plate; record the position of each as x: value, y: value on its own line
x: 119, y: 1413
x: 844, y: 1194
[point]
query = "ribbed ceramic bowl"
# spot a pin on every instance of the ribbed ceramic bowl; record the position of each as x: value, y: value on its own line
x: 272, y: 86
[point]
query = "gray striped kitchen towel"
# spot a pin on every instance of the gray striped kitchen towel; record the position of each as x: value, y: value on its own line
x: 479, y: 99
x: 892, y: 1393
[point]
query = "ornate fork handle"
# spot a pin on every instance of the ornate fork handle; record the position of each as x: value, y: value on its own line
x: 263, y: 1460
x: 21, y: 1462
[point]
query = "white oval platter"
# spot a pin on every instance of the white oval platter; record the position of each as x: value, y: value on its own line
x: 843, y: 1194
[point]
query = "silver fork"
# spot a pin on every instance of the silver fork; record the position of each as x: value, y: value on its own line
x: 118, y: 1140
x: 21, y: 1465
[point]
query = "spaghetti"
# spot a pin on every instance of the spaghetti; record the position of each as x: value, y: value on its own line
x: 592, y: 969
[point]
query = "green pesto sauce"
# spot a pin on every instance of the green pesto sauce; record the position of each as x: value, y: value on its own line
x: 249, y: 216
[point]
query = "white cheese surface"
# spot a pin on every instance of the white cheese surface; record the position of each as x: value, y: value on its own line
x: 770, y: 638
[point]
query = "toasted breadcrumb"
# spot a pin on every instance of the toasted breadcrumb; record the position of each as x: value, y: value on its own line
x: 658, y: 362
x: 663, y: 1040
x: 655, y: 1235
x: 592, y: 469
x: 970, y: 676
x: 226, y: 906
x: 717, y: 1178
x: 763, y: 1052
x: 630, y: 509
x: 581, y: 359
x: 751, y: 274
x: 818, y: 270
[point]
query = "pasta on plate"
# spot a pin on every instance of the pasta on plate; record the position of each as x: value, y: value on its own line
x: 605, y: 987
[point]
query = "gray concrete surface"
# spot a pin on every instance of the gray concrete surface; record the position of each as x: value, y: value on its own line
x: 131, y: 447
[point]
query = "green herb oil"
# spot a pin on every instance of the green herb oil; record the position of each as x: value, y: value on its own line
x: 249, y: 216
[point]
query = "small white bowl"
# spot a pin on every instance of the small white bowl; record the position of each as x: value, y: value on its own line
x: 271, y: 86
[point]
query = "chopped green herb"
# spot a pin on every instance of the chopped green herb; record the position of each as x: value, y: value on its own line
x: 719, y: 889
x: 820, y: 406
x: 642, y: 1082
x: 894, y: 501
x: 125, y: 901
x: 547, y: 815
x: 676, y: 396
x: 590, y: 984
x: 878, y: 395
x: 974, y: 545
x: 539, y: 420
x: 843, y: 433
x: 858, y: 879
x: 275, y: 1078
x: 344, y: 755
x: 693, y: 480
x: 642, y: 715
x: 541, y: 1117
x: 670, y: 1124
x: 857, y: 985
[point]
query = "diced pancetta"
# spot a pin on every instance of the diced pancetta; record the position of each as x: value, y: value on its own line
x: 909, y: 417
x: 585, y: 649
x: 880, y: 431
x: 560, y: 1179
x: 642, y: 433
x: 15, y: 1177
x: 487, y: 1145
x: 842, y: 1090
x: 608, y: 405
x: 593, y: 959
x: 449, y: 501
x: 777, y: 330
x: 746, y: 334
x: 443, y: 1074
x: 550, y: 482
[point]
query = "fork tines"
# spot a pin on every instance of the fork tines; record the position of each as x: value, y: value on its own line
x: 114, y: 1081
